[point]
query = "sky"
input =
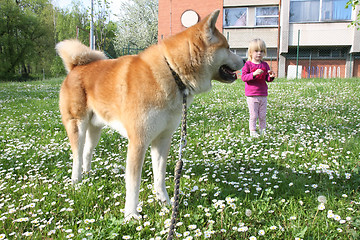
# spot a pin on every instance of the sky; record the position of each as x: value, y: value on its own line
x: 115, y: 5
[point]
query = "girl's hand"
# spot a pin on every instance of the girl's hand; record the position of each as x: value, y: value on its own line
x: 257, y: 72
x: 271, y: 73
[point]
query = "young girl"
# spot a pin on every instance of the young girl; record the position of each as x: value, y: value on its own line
x: 255, y: 74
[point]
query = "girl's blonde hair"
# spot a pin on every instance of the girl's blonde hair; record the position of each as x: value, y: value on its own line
x: 256, y: 44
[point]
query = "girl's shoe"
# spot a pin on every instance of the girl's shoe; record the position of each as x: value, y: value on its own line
x: 262, y: 132
x: 254, y: 134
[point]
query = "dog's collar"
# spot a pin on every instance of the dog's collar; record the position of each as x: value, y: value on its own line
x: 177, y: 79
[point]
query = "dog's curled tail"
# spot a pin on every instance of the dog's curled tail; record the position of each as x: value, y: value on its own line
x: 74, y: 53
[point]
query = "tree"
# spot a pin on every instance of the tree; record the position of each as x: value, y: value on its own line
x: 21, y: 31
x: 30, y: 29
x: 137, y: 25
x: 353, y: 3
x: 69, y: 24
x: 104, y: 30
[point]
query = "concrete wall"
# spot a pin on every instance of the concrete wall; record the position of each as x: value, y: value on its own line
x: 321, y: 34
x: 240, y: 38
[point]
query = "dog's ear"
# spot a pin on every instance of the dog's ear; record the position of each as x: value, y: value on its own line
x: 210, y: 24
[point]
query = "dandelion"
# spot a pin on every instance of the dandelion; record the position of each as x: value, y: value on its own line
x: 21, y: 220
x: 273, y: 227
x: 27, y: 234
x: 243, y: 229
x: 248, y: 212
x: 322, y: 199
x: 192, y: 227
x: 330, y: 214
x: 321, y: 206
x: 12, y: 211
x: 139, y: 209
x: 70, y: 235
x: 198, y: 233
x: 207, y: 234
x: 87, y: 221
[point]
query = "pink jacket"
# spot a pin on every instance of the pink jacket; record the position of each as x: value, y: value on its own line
x: 255, y: 86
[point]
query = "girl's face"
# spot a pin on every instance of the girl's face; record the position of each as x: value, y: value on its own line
x: 257, y: 55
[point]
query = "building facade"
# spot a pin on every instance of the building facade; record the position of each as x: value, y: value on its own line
x: 311, y: 38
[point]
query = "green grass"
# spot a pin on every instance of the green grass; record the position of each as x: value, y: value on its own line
x: 232, y: 187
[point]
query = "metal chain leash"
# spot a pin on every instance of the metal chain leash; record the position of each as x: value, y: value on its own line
x: 178, y: 169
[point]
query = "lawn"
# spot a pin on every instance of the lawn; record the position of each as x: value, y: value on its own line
x: 300, y: 181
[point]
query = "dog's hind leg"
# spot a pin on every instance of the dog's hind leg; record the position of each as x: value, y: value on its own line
x: 134, y: 162
x: 93, y: 134
x: 159, y: 153
x: 76, y: 130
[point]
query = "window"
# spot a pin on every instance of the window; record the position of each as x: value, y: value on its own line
x: 235, y: 17
x: 271, y: 53
x: 318, y: 52
x: 334, y: 10
x: 304, y: 10
x: 319, y: 10
x: 267, y: 16
x: 242, y: 52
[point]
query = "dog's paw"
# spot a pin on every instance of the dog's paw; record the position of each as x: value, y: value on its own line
x: 75, y: 181
x: 132, y: 216
x: 163, y: 197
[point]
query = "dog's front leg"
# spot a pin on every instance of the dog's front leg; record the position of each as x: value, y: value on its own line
x: 134, y: 162
x: 159, y: 153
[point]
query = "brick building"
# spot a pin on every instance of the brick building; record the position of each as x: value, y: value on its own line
x: 311, y: 34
